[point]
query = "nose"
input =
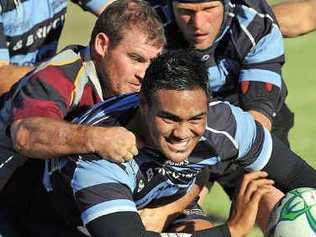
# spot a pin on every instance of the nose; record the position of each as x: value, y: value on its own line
x: 198, y: 20
x: 140, y: 71
x: 181, y: 131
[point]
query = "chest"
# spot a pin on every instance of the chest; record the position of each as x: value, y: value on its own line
x: 156, y: 181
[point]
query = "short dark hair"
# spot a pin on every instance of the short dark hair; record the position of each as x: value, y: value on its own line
x: 175, y: 70
x: 123, y: 15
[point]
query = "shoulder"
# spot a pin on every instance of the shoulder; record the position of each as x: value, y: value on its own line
x: 221, y: 129
x: 91, y: 170
x: 252, y: 21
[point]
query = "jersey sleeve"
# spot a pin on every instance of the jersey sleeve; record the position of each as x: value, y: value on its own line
x: 102, y: 188
x: 4, y: 52
x: 261, y: 84
x: 46, y: 93
x: 93, y: 6
x: 234, y: 134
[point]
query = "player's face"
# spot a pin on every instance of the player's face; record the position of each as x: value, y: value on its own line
x: 200, y: 23
x: 176, y: 121
x: 124, y: 65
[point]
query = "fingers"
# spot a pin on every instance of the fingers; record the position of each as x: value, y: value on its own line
x: 130, y: 153
x: 129, y: 156
x: 119, y: 145
x: 256, y: 185
x: 250, y: 177
x: 260, y: 193
x: 134, y: 150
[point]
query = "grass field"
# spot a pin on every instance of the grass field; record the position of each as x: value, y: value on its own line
x: 300, y: 76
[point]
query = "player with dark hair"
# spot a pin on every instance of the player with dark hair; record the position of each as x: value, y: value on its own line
x: 182, y: 132
x: 34, y: 113
x: 242, y: 46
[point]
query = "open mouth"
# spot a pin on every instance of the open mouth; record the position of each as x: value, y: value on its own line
x: 178, y: 145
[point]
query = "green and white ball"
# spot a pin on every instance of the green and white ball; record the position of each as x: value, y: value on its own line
x: 294, y: 215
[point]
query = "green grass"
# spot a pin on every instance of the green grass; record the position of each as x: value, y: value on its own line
x: 300, y: 76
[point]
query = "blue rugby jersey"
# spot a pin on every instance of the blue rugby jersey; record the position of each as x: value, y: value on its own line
x: 245, y: 60
x: 99, y: 187
x: 30, y: 29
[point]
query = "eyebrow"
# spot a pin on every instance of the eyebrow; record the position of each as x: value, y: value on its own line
x: 177, y: 118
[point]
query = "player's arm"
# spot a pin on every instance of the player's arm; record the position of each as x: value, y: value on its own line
x: 94, y: 6
x: 259, y: 150
x: 38, y: 129
x: 296, y: 17
x: 158, y: 217
x: 45, y: 138
x: 9, y: 73
x: 288, y: 169
x: 253, y: 187
x: 262, y: 91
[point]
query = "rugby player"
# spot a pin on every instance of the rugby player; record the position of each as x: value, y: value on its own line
x: 29, y: 33
x: 182, y: 132
x: 33, y: 113
x: 242, y: 46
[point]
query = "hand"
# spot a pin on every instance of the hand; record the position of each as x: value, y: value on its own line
x: 158, y: 217
x: 114, y: 143
x: 154, y: 219
x: 254, y: 185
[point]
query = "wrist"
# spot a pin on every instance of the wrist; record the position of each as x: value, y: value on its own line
x: 89, y: 139
x: 234, y: 230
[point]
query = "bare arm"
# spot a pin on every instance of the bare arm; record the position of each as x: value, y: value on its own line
x: 46, y: 138
x: 10, y: 74
x: 245, y: 208
x: 158, y: 218
x: 261, y: 118
x: 296, y: 17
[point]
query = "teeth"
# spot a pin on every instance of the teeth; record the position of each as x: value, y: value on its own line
x: 179, y: 145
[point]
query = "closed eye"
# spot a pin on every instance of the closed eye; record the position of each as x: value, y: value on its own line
x: 137, y: 58
x: 197, y: 120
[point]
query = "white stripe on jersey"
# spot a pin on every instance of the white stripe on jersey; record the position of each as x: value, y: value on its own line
x: 6, y: 161
x: 175, y: 235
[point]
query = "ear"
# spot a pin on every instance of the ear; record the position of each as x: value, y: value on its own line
x: 101, y: 44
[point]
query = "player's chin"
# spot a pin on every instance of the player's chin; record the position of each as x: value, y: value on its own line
x: 178, y: 156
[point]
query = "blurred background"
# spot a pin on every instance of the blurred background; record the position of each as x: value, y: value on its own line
x: 300, y: 76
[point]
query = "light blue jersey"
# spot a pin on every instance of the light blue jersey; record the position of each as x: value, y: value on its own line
x: 30, y: 29
x: 100, y: 187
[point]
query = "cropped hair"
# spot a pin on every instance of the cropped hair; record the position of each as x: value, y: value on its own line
x: 123, y: 15
x: 175, y: 70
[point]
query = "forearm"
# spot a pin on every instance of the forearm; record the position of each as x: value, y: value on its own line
x: 296, y: 18
x: 46, y: 138
x: 158, y: 217
x: 129, y: 224
x: 182, y: 203
x: 262, y: 119
x: 10, y: 74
